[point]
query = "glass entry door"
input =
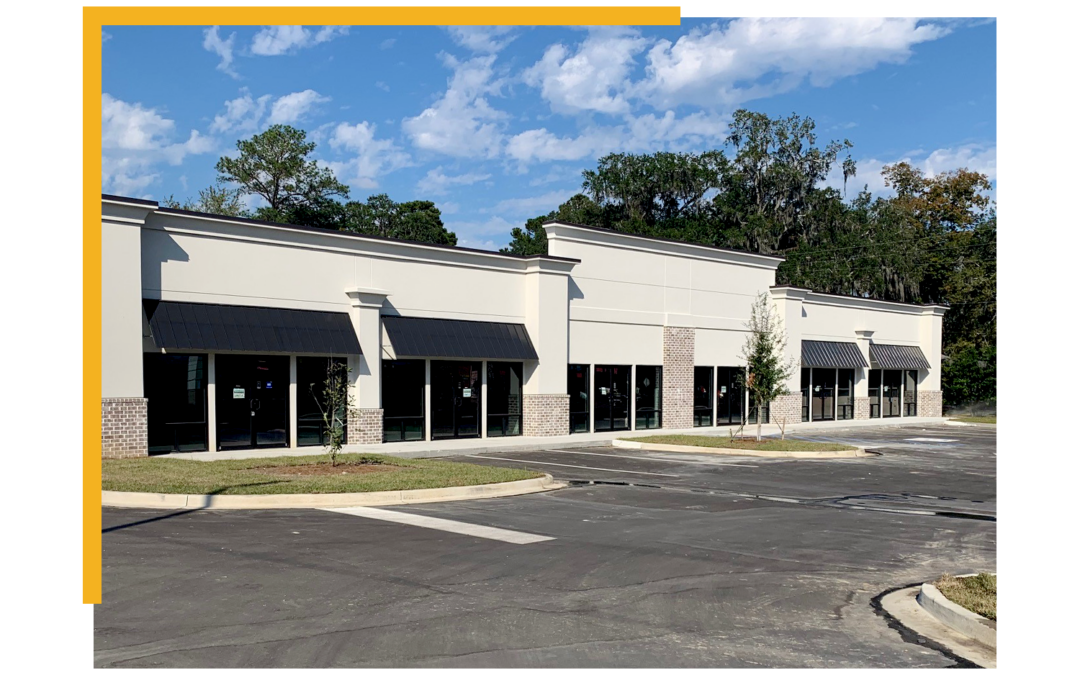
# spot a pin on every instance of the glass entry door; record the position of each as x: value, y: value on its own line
x: 612, y: 396
x: 729, y: 395
x: 455, y: 399
x: 890, y: 393
x: 823, y: 394
x: 252, y: 401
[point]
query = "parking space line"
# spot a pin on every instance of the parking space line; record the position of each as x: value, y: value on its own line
x: 571, y: 466
x: 457, y: 527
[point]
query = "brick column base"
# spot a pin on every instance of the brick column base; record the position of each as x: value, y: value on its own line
x: 862, y: 407
x: 928, y: 404
x: 123, y: 428
x: 786, y: 409
x: 678, y: 384
x: 546, y: 415
x: 365, y: 426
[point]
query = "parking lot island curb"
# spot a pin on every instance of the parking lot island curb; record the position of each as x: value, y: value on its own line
x: 954, y: 616
x: 157, y: 500
x: 696, y: 449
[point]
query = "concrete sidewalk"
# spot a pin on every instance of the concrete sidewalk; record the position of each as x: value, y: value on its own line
x: 469, y: 446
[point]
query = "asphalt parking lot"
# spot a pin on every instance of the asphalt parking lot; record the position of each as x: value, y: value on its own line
x: 648, y: 559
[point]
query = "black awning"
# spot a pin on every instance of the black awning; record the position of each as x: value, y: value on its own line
x: 412, y: 336
x: 236, y: 328
x: 903, y: 357
x: 821, y: 354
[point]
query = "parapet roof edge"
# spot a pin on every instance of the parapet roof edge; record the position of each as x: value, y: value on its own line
x: 646, y: 237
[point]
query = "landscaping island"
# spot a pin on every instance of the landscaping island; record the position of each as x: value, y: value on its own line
x: 742, y: 446
x: 297, y: 475
x: 991, y: 419
x: 976, y: 593
x: 743, y: 443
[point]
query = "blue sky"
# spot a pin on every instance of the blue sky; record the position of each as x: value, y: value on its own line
x: 495, y: 124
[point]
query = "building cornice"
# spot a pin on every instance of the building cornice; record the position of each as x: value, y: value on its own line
x: 586, y: 234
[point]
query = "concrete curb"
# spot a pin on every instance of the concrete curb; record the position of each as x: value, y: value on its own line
x: 902, y: 606
x: 980, y: 425
x: 954, y: 616
x: 662, y: 447
x: 155, y: 500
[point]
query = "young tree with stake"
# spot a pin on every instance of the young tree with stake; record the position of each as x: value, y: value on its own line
x: 334, y: 401
x: 767, y: 371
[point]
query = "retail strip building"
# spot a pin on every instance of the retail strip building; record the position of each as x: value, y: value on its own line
x: 215, y: 329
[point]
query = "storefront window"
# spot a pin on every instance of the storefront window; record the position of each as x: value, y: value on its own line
x: 703, y: 396
x: 503, y: 399
x: 647, y: 397
x: 875, y: 393
x: 911, y: 393
x: 804, y: 387
x: 845, y: 394
x: 577, y: 385
x: 751, y: 414
x: 175, y: 389
x: 403, y: 400
x: 311, y: 376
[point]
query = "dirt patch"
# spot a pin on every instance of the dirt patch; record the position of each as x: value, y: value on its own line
x: 326, y: 469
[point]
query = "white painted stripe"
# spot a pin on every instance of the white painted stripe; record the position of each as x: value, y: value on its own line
x: 654, y: 459
x: 457, y: 527
x: 931, y: 440
x: 1037, y: 454
x: 572, y: 466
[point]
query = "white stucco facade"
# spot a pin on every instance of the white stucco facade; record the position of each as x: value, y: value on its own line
x: 599, y: 297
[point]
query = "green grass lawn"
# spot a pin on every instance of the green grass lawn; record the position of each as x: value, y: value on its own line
x: 766, y: 444
x: 1066, y: 419
x: 296, y: 475
x: 977, y: 593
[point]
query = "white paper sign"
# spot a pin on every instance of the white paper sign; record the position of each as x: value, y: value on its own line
x: 238, y: 393
x: 466, y: 393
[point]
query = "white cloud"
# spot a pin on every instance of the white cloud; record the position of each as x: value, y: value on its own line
x: 387, y: 43
x: 636, y: 134
x: 212, y: 42
x: 594, y: 77
x: 278, y: 40
x: 461, y: 123
x: 371, y: 158
x: 723, y: 64
x: 544, y: 146
x: 105, y: 37
x: 134, y: 140
x: 328, y: 33
x: 294, y: 107
x: 382, y: 85
x: 242, y: 114
x: 436, y: 182
x: 978, y: 157
x: 482, y: 39
x: 482, y: 233
x: 247, y: 114
x: 530, y: 207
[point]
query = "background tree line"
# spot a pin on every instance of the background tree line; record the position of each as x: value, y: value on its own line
x: 934, y: 240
